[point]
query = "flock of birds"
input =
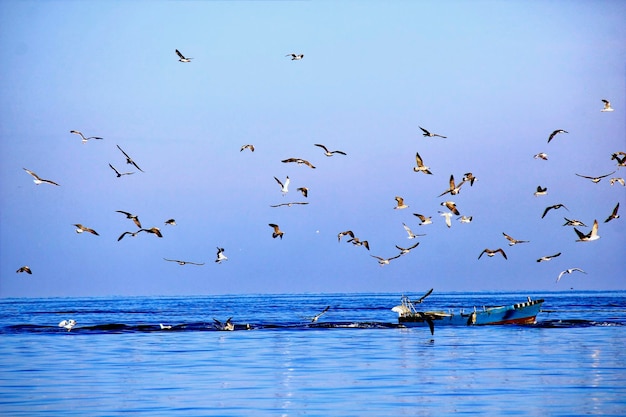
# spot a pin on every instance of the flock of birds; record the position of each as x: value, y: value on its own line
x: 450, y: 209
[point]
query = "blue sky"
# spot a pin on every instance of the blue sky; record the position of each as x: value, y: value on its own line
x: 496, y: 78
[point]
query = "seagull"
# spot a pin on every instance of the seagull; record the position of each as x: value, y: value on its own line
x: 451, y: 205
x: 39, y: 180
x: 133, y: 234
x: 342, y: 234
x: 295, y: 57
x: 592, y: 235
x: 251, y: 147
x: 119, y: 174
x: 356, y: 242
x: 425, y: 220
x: 76, y: 132
x: 556, y: 132
x: 465, y: 219
x: 170, y: 222
x: 469, y: 177
x: 165, y: 326
x: 613, y: 215
x: 454, y: 189
x: 447, y: 215
x: 383, y: 261
x: 182, y: 57
x: 547, y: 258
x: 284, y: 188
x: 618, y: 180
x: 80, y: 229
x: 129, y: 159
x: 183, y: 262
x: 596, y: 180
x: 289, y: 204
x: 428, y: 134
x: 513, y: 241
x: 329, y: 153
x: 154, y: 230
x: 419, y: 301
x: 133, y: 217
x: 24, y: 268
x: 400, y: 203
x: 556, y: 206
x: 298, y: 161
x: 68, y: 324
x: 220, y: 255
x: 540, y: 191
x: 541, y: 155
x: 411, y: 234
x: 607, y: 105
x: 420, y: 165
x: 568, y: 271
x: 317, y: 316
x: 404, y: 251
x: 227, y: 326
x: 277, y: 231
x: 491, y: 252
x: 621, y: 162
x: 304, y: 191
x: 574, y: 222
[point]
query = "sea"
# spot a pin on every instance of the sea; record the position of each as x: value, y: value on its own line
x: 355, y: 360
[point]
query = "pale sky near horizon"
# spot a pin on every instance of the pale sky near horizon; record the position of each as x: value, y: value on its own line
x: 495, y: 77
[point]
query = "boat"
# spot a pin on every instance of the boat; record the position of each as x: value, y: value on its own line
x: 520, y: 313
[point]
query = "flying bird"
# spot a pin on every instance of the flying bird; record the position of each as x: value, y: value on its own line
x: 228, y: 326
x: 317, y: 316
x: 548, y: 258
x: 153, y: 230
x: 329, y: 153
x: 568, y: 271
x: 68, y: 324
x: 251, y: 147
x: 24, y: 268
x: 555, y: 207
x: 617, y: 180
x: 284, y: 188
x: 295, y: 57
x: 453, y: 189
x: 183, y: 262
x: 613, y: 215
x: 540, y: 191
x: 357, y: 242
x: 447, y: 216
x: 182, y: 58
x: 400, y: 203
x: 277, y: 232
x: 429, y: 134
x: 424, y: 220
x: 592, y: 235
x: 84, y: 140
x: 410, y: 233
x: 469, y: 177
x: 573, y: 222
x: 596, y: 180
x: 170, y: 222
x: 119, y: 174
x: 556, y: 132
x: 420, y: 165
x: 346, y: 233
x: 290, y: 204
x: 129, y: 159
x: 465, y: 219
x: 541, y: 155
x: 513, y: 241
x: 220, y: 255
x: 404, y: 251
x: 80, y: 229
x: 621, y: 161
x: 298, y: 161
x: 38, y: 180
x: 385, y: 261
x: 492, y: 253
x: 607, y: 105
x: 451, y: 205
x: 133, y: 217
x: 133, y: 234
x: 304, y: 191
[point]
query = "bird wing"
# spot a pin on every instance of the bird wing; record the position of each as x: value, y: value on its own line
x: 426, y: 132
x: 423, y: 296
x: 279, y: 182
x: 322, y: 146
x: 179, y: 54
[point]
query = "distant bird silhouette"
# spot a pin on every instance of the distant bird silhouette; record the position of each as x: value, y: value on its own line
x: 170, y: 222
x: 491, y: 252
x: 404, y: 251
x: 424, y: 220
x: 84, y: 139
x: 607, y: 105
x: 573, y: 222
x: 429, y: 134
x: 447, y: 215
x: 133, y: 217
x: 318, y: 315
x: 541, y: 191
x: 182, y: 58
x: 304, y: 191
x: 24, y: 268
x: 410, y: 232
x: 277, y: 232
x: 220, y: 255
x: 469, y: 177
x: 556, y: 132
x: 183, y: 262
x: 613, y: 215
x: 153, y: 230
x: 452, y: 189
x: 251, y: 147
x: 592, y: 235
x: 295, y: 57
x: 568, y: 271
x: 617, y: 180
x: 451, y: 205
x: 38, y: 180
x: 554, y: 207
x: 327, y: 152
x: 80, y: 229
x: 284, y: 188
x: 129, y: 160
x: 357, y: 242
x: 346, y: 233
x: 133, y: 234
x: 292, y: 203
x: 548, y: 258
x: 385, y: 261
x: 465, y: 219
x: 298, y: 161
x: 513, y: 241
x: 400, y: 203
x: 420, y: 165
x: 541, y: 155
x: 596, y: 180
x: 119, y: 174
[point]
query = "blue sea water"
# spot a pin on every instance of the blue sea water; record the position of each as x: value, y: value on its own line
x: 354, y: 361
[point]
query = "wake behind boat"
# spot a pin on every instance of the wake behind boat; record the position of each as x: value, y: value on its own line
x: 520, y: 313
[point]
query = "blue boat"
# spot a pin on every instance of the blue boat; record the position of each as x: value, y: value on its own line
x: 520, y: 313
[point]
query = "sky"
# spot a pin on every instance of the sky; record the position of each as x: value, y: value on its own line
x: 496, y: 78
